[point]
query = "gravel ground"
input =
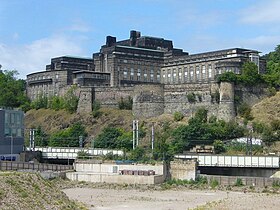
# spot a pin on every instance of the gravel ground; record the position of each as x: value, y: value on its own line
x: 117, y: 199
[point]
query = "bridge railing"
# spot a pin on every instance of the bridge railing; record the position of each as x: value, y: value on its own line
x: 14, y: 166
x: 72, y: 152
x: 234, y: 161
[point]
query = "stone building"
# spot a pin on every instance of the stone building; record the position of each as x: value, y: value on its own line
x: 158, y: 76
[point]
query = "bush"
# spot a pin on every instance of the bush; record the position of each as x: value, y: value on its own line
x: 71, y: 100
x: 83, y: 155
x: 126, y: 103
x: 244, y: 110
x: 178, y: 116
x: 219, y: 147
x: 96, y: 109
x: 214, y: 183
x: 68, y: 137
x: 191, y: 98
x: 238, y: 182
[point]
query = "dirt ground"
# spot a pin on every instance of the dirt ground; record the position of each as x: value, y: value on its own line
x: 106, y: 199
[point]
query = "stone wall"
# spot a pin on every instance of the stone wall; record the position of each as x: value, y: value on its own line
x: 85, y: 100
x: 183, y: 169
x: 176, y: 98
x: 148, y: 100
x: 110, y: 96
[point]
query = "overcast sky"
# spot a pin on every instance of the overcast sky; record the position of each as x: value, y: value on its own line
x: 34, y: 31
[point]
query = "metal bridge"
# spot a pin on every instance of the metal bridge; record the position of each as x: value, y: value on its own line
x: 234, y: 161
x: 71, y: 152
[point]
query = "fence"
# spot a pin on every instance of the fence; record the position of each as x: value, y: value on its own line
x: 13, y: 166
x: 249, y: 181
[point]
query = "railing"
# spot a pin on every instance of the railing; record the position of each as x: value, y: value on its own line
x: 14, y: 166
x: 247, y: 181
x: 234, y: 161
x: 72, y: 152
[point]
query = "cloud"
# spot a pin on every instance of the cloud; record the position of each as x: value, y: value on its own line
x: 263, y: 43
x: 34, y: 56
x: 79, y: 26
x: 263, y: 12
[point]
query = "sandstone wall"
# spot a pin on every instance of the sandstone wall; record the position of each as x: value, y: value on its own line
x: 110, y: 96
x: 148, y: 100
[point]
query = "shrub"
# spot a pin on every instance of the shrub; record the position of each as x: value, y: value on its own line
x: 238, y: 182
x: 96, y: 109
x: 214, y: 183
x: 178, y: 116
x: 191, y: 98
x: 244, y: 110
x: 71, y: 100
x: 126, y: 103
x: 83, y: 155
x: 219, y: 146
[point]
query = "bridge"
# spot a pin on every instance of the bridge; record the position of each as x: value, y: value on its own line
x: 71, y: 152
x: 235, y: 161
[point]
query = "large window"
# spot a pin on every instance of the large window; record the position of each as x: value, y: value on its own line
x: 138, y: 74
x: 180, y: 75
x: 185, y: 74
x: 191, y: 73
x: 209, y: 70
x: 197, y: 72
x: 203, y: 72
x: 158, y: 77
x: 131, y: 74
x: 169, y: 76
x: 125, y: 73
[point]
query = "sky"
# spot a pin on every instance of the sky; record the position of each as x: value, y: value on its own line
x: 34, y: 31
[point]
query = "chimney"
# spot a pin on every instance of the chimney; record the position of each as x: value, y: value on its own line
x: 110, y: 41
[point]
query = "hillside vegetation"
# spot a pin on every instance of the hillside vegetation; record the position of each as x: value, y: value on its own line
x: 21, y: 190
x: 267, y: 110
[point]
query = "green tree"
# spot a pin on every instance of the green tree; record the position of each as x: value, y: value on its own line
x: 56, y: 103
x: 12, y: 90
x: 40, y: 102
x: 250, y: 75
x: 227, y: 77
x: 108, y: 138
x: 41, y: 138
x: 68, y: 137
x: 71, y: 100
x: 272, y: 77
x: 219, y: 146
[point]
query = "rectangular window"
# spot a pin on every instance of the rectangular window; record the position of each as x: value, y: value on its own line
x: 158, y: 77
x: 203, y: 72
x: 191, y: 73
x: 138, y: 74
x: 131, y: 74
x: 179, y: 75
x: 185, y: 74
x: 209, y: 71
x: 197, y: 73
x: 169, y: 76
x: 125, y: 73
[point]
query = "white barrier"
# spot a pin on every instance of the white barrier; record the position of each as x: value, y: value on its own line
x: 234, y: 161
x: 71, y: 152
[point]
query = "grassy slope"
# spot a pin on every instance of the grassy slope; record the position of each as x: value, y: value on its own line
x: 21, y: 190
x: 52, y: 121
x: 268, y: 109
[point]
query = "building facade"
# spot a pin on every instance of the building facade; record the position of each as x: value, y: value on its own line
x: 158, y: 76
x: 11, y: 131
